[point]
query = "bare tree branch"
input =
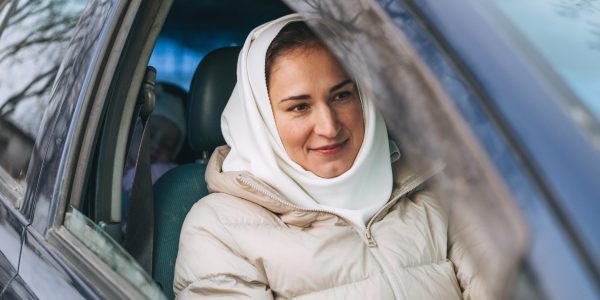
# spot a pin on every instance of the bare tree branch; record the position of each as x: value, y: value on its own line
x: 9, y: 105
x: 8, y: 52
x: 37, y: 30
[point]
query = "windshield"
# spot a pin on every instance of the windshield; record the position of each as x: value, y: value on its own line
x: 567, y: 34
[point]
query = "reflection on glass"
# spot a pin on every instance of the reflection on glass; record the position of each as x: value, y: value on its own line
x: 32, y: 43
x: 567, y: 34
x: 109, y: 251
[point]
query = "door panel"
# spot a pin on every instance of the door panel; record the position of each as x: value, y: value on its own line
x: 46, y: 274
x: 18, y: 290
x: 10, y: 244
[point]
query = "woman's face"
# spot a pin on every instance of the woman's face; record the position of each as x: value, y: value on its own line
x: 317, y: 110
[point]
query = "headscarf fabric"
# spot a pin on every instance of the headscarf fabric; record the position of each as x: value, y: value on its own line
x: 249, y: 128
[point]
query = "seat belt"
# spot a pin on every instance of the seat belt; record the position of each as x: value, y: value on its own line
x: 139, y: 234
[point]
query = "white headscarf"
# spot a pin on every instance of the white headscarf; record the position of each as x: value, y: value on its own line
x: 249, y: 128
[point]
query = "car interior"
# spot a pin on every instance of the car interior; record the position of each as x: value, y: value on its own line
x: 196, y: 53
x: 211, y: 86
x: 211, y: 40
x: 90, y: 195
x: 84, y: 197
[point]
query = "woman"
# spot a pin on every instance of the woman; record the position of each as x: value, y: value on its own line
x: 305, y: 202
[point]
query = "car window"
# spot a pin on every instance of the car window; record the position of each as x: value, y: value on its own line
x: 539, y: 276
x: 108, y: 202
x: 34, y: 35
x: 572, y: 50
x: 428, y: 129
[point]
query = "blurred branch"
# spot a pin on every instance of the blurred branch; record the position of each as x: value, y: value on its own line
x: 9, y: 105
x: 8, y: 11
x: 7, y: 52
x: 53, y: 29
x: 575, y: 8
x: 37, y: 30
x: 27, y: 10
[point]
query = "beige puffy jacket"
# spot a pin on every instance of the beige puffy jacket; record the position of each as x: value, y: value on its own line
x: 245, y: 240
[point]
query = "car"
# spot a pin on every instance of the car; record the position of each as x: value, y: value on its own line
x: 505, y: 93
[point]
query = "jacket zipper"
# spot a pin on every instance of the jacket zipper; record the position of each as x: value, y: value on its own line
x: 370, y: 241
x: 408, y: 186
x: 372, y: 244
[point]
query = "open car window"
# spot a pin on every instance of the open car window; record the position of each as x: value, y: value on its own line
x: 105, y: 68
x: 96, y: 218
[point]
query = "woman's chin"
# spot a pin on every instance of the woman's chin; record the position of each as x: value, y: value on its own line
x: 331, y: 170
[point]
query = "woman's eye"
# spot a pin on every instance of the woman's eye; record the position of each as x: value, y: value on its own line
x: 342, y: 95
x: 298, y: 108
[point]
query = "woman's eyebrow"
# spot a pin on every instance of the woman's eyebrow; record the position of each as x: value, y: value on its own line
x: 299, y: 97
x: 331, y: 90
x: 339, y: 85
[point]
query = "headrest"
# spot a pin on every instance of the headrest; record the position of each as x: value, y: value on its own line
x: 210, y: 89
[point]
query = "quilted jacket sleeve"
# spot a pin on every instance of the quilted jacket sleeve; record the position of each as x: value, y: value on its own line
x: 472, y: 286
x: 209, y: 265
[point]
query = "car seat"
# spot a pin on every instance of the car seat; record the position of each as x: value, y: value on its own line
x: 178, y: 189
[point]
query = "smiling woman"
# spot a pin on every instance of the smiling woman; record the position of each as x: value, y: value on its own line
x: 330, y: 147
x: 307, y: 175
x: 316, y: 107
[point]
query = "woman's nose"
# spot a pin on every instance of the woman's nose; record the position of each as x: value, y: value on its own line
x: 327, y: 123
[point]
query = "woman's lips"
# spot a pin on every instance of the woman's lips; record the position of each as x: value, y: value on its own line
x: 331, y: 149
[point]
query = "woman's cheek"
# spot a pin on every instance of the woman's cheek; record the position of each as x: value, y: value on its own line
x: 297, y: 132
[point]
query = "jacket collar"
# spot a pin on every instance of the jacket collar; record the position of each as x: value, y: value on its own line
x: 246, y: 186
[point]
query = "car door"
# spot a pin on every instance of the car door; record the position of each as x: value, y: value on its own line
x: 65, y: 253
x: 420, y: 92
x: 517, y: 102
x: 12, y: 225
x: 510, y: 111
